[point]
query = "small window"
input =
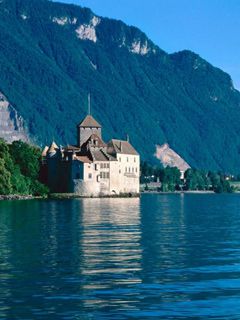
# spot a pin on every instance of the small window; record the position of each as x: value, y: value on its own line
x: 96, y: 167
x: 134, y: 159
x: 108, y: 165
x: 89, y: 176
x: 136, y: 170
x: 119, y: 159
x: 129, y: 169
x: 132, y: 169
x: 125, y: 169
x: 120, y: 171
x: 127, y: 159
x: 107, y: 175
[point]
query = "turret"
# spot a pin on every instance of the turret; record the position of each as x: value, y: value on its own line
x: 52, y: 150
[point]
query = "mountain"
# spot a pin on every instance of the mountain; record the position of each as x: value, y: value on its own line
x: 52, y: 55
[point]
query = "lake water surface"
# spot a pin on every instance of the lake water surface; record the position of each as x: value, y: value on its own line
x: 161, y: 257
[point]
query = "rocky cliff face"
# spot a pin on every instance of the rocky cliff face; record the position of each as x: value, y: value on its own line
x: 11, y: 124
x: 169, y: 157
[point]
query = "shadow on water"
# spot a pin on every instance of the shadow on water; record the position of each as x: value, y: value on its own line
x: 168, y: 257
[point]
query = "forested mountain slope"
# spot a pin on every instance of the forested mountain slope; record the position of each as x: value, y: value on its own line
x: 52, y: 55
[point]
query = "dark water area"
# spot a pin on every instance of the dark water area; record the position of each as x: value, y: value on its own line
x: 161, y: 257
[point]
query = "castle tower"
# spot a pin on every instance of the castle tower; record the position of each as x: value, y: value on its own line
x: 86, y: 128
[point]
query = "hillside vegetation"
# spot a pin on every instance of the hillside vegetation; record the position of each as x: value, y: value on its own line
x: 20, y: 169
x: 52, y: 55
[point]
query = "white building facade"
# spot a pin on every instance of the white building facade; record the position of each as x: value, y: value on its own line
x: 93, y: 168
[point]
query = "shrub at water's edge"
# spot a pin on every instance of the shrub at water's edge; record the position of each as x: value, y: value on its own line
x: 19, y: 169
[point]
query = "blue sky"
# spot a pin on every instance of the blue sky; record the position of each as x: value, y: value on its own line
x: 210, y: 28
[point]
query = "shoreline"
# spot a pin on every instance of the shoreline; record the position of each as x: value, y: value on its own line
x: 17, y: 197
x: 69, y: 196
x: 180, y: 192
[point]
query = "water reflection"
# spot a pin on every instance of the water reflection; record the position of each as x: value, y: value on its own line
x: 53, y: 252
x: 111, y: 236
x: 111, y: 249
x: 162, y: 256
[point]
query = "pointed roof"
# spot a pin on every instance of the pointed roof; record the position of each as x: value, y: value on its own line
x: 96, y: 139
x: 45, y: 150
x: 53, y: 147
x: 89, y: 122
x: 121, y: 146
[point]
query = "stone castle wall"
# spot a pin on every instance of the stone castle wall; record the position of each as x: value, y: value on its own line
x: 86, y: 188
x: 85, y: 133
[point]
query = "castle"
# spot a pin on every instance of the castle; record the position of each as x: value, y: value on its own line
x: 92, y: 167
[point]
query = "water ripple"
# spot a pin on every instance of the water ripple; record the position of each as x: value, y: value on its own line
x: 162, y: 257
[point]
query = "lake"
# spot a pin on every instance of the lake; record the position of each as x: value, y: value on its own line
x: 161, y: 257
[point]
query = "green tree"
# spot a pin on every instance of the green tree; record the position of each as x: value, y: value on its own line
x: 5, y: 179
x: 170, y: 178
x: 20, y: 184
x: 216, y: 182
x: 19, y: 169
x: 196, y: 180
x: 5, y: 155
x: 27, y: 157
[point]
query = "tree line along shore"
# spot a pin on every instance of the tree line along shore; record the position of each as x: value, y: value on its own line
x: 157, y: 178
x: 20, y: 175
x: 20, y: 171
